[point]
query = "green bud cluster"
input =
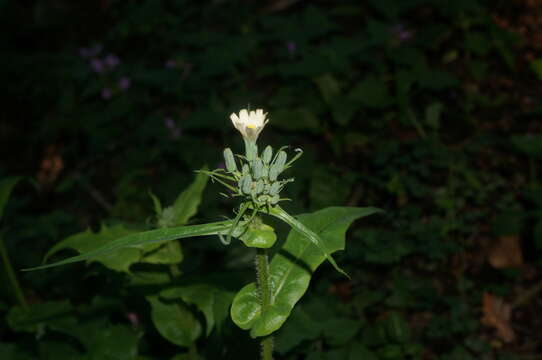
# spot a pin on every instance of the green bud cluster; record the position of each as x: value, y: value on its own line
x: 257, y: 178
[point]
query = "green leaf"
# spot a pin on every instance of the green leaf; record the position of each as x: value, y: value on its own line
x: 259, y: 235
x: 109, y: 342
x: 174, y: 321
x: 432, y: 115
x: 147, y: 237
x: 167, y: 254
x: 187, y: 203
x: 339, y: 331
x: 397, y: 328
x: 371, y: 92
x: 301, y: 326
x: 536, y: 66
x: 530, y: 145
x: 329, y: 87
x: 157, y: 204
x: 12, y: 352
x: 296, y: 119
x: 292, y: 267
x: 6, y: 186
x: 87, y: 241
x: 37, y: 316
x: 360, y: 351
x: 208, y: 299
x: 52, y: 350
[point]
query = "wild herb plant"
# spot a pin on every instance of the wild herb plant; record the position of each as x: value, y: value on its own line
x: 255, y: 179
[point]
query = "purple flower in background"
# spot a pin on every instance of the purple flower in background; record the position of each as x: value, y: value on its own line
x: 292, y: 47
x: 170, y: 64
x: 170, y: 124
x: 125, y: 82
x: 221, y: 165
x: 401, y: 33
x: 106, y: 93
x: 91, y: 51
x: 97, y: 65
x: 84, y: 52
x: 174, y: 131
x: 111, y: 61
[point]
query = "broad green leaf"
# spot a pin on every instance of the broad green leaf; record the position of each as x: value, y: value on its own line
x: 339, y: 331
x: 167, y: 254
x: 106, y: 341
x: 298, y: 226
x: 329, y: 87
x: 147, y: 237
x: 371, y: 92
x: 186, y: 204
x: 174, y: 321
x: 88, y: 241
x: 37, y: 316
x: 292, y: 267
x: 300, y: 326
x: 6, y: 186
x: 208, y: 299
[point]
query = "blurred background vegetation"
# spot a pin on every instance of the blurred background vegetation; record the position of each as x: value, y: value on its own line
x: 429, y: 109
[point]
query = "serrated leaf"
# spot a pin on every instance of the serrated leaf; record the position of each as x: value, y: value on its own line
x: 208, y: 299
x: 6, y: 186
x: 292, y: 267
x: 174, y: 321
x: 147, y: 237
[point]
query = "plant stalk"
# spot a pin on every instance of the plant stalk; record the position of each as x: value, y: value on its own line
x: 264, y: 286
x: 11, y: 275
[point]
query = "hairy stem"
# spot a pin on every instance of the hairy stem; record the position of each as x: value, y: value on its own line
x: 264, y: 286
x: 11, y: 274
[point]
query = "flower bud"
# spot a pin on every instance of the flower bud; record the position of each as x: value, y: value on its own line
x: 229, y: 160
x: 245, y: 184
x: 273, y: 172
x: 274, y: 189
x: 267, y: 154
x: 281, y: 160
x: 257, y: 169
x: 259, y: 186
x: 245, y: 170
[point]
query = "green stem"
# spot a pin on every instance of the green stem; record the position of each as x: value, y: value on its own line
x: 11, y: 275
x: 264, y: 286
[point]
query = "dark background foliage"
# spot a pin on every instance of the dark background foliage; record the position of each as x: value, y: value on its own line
x: 428, y: 109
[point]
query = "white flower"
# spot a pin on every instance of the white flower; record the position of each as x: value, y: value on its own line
x: 249, y: 124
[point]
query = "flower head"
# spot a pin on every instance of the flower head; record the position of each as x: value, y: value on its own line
x: 249, y: 124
